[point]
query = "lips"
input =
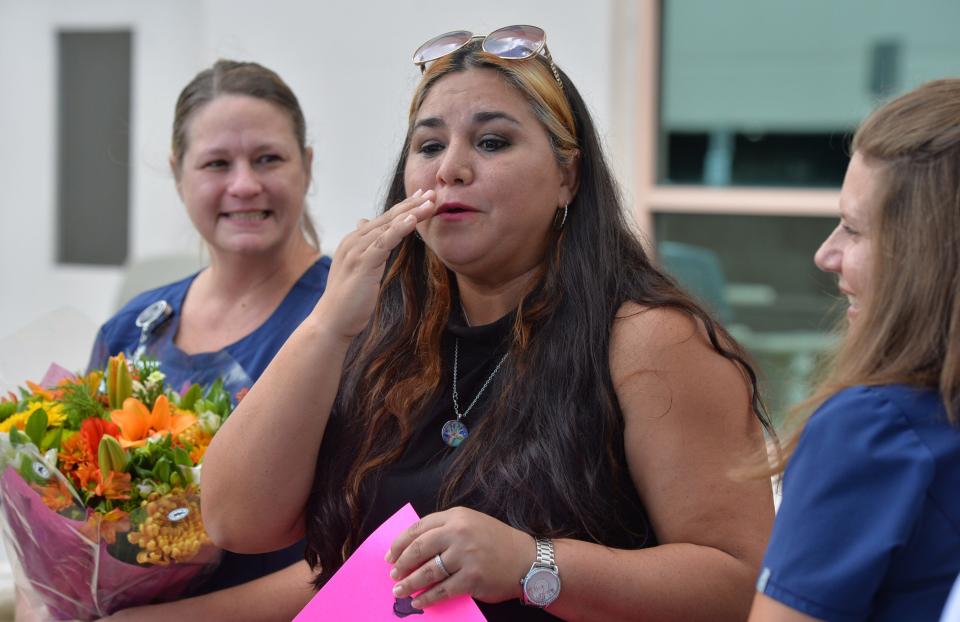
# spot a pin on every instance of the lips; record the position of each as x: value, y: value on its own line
x: 853, y: 304
x: 455, y: 208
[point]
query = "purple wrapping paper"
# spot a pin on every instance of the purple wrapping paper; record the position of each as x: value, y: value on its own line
x: 76, y: 578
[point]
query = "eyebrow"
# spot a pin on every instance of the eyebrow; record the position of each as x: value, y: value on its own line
x: 478, y: 119
x: 485, y: 117
x: 431, y: 122
x: 266, y: 145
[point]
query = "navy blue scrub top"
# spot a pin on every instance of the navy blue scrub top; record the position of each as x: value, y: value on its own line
x: 240, y: 364
x: 869, y: 525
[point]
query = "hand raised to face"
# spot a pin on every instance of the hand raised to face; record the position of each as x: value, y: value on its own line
x: 358, y: 264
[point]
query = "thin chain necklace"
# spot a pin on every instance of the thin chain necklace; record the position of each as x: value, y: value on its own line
x: 454, y: 431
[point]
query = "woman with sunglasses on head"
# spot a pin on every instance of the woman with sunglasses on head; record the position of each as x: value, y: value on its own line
x: 868, y: 526
x: 557, y: 411
x: 242, y: 169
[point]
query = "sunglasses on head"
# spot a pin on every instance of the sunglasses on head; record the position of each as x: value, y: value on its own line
x: 510, y: 42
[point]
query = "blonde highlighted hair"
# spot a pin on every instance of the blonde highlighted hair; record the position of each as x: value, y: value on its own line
x: 533, y: 78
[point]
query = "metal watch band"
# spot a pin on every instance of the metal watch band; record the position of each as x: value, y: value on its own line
x: 545, y: 554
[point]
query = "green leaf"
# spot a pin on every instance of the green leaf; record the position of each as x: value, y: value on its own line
x: 25, y: 468
x: 79, y: 404
x: 190, y: 397
x: 161, y: 470
x: 7, y: 409
x: 36, y: 426
x: 52, y: 439
x: 18, y: 438
x: 181, y: 457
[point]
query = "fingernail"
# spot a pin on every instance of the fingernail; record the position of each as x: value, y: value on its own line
x: 394, y: 574
x: 396, y: 590
x: 386, y: 557
x: 426, y: 204
x: 416, y: 604
x: 409, y: 220
x: 418, y: 192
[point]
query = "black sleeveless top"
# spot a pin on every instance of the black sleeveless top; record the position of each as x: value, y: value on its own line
x: 417, y: 476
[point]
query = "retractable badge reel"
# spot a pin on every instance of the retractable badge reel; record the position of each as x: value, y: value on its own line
x: 149, y: 320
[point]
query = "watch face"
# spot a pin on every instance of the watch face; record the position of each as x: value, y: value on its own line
x: 541, y: 587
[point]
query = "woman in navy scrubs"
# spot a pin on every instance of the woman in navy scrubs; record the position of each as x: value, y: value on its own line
x: 869, y: 526
x: 242, y: 169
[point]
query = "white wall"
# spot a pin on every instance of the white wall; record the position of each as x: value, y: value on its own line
x: 348, y: 62
x: 30, y: 281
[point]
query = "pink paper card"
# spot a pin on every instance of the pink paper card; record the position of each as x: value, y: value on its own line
x: 361, y: 589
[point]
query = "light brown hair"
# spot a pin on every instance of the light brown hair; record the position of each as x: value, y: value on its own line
x: 228, y: 77
x: 909, y: 332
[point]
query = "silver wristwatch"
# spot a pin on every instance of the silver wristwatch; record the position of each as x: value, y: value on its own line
x: 541, y: 585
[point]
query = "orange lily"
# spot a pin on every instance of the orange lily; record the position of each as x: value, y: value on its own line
x: 137, y: 424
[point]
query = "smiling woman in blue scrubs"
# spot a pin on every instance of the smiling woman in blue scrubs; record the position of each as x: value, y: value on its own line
x: 242, y: 169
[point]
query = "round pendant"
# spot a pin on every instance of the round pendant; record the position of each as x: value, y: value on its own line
x: 454, y: 433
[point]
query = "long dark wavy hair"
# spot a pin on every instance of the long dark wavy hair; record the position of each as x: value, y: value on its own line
x: 548, y: 458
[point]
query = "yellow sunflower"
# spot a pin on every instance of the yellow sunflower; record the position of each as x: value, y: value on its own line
x: 55, y: 416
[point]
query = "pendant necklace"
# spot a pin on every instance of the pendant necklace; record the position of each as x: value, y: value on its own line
x: 454, y: 431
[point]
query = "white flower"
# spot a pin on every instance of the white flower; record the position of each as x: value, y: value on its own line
x: 191, y: 474
x: 155, y: 377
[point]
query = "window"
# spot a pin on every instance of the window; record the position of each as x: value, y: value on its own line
x: 745, y: 117
x: 756, y: 274
x: 767, y: 92
x: 93, y: 147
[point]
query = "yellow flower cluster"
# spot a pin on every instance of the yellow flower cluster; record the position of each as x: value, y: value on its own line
x: 18, y: 421
x: 199, y: 439
x: 55, y: 416
x: 173, y: 530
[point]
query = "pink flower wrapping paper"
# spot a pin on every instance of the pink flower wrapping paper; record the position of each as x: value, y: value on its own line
x: 76, y: 577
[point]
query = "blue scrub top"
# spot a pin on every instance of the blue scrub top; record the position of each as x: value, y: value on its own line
x: 869, y: 525
x: 240, y: 363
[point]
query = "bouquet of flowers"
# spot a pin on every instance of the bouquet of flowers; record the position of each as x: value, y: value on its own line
x: 100, y: 486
